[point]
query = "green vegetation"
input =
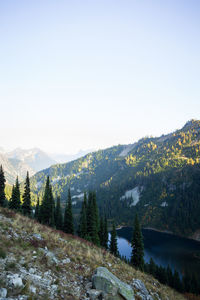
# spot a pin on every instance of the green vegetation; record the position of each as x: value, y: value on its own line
x: 137, y: 256
x: 2, y: 187
x: 68, y: 225
x: 15, y: 202
x: 113, y: 241
x: 165, y: 171
x: 26, y: 205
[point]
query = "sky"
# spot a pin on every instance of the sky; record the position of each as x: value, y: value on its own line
x: 92, y: 74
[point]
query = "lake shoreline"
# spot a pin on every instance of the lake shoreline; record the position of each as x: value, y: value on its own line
x: 194, y: 237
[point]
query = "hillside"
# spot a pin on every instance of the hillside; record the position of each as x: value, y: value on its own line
x: 37, y: 262
x: 156, y: 177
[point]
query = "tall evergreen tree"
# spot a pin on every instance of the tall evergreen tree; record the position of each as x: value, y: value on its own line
x: 105, y: 233
x: 46, y: 215
x: 37, y: 210
x: 15, y: 198
x: 82, y: 230
x: 2, y: 187
x: 92, y: 219
x: 68, y: 225
x: 113, y: 241
x: 137, y: 256
x: 58, y: 215
x: 26, y: 205
x: 101, y: 232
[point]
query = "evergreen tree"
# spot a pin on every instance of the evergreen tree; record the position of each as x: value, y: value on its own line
x: 15, y: 198
x: 137, y: 256
x: 46, y: 215
x: 82, y: 230
x: 68, y: 225
x: 92, y: 219
x: 37, y: 210
x: 105, y: 233
x: 113, y: 241
x: 101, y: 232
x: 152, y: 267
x: 2, y: 187
x: 177, y: 281
x: 26, y: 205
x: 58, y: 215
x: 170, y: 277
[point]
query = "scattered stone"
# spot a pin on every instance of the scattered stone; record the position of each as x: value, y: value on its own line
x: 3, y: 293
x: 15, y: 280
x: 37, y: 236
x: 32, y: 289
x: 32, y: 270
x: 142, y: 292
x: 66, y: 261
x: 94, y: 294
x: 107, y: 282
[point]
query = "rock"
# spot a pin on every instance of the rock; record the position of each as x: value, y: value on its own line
x: 15, y: 280
x: 142, y: 292
x: 105, y: 281
x: 32, y: 270
x: 66, y: 261
x: 3, y: 293
x: 37, y: 236
x: 94, y: 294
x: 32, y: 289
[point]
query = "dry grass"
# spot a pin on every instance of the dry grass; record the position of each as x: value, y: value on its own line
x: 85, y: 257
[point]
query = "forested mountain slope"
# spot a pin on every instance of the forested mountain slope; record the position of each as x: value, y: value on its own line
x: 156, y: 177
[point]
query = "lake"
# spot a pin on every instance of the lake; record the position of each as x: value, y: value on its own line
x: 165, y: 249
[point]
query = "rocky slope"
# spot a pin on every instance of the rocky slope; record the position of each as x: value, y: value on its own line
x: 37, y: 262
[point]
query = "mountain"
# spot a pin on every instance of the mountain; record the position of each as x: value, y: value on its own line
x: 19, y: 161
x: 64, y: 158
x: 38, y: 262
x: 157, y: 177
x: 34, y: 158
x: 13, y: 168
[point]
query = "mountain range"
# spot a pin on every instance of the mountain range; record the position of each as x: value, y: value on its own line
x: 157, y: 177
x: 19, y: 161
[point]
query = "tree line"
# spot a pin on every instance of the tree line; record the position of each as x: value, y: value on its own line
x: 93, y: 228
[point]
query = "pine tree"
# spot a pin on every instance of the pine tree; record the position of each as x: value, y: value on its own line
x: 46, y: 215
x: 113, y: 241
x: 2, y: 187
x: 101, y: 232
x: 137, y: 256
x: 105, y: 234
x: 82, y: 230
x: 26, y: 205
x: 58, y: 215
x: 10, y: 203
x: 177, y: 281
x: 92, y: 219
x: 152, y: 267
x: 15, y: 198
x: 68, y: 225
x: 37, y: 210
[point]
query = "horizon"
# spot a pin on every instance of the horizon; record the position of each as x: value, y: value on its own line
x: 88, y: 150
x: 87, y: 75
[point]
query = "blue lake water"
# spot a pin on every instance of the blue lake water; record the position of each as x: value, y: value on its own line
x: 165, y: 249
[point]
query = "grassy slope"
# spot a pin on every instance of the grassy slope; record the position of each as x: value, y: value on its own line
x: 85, y: 258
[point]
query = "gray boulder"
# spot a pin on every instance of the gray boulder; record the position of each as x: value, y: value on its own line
x: 141, y: 290
x: 3, y: 293
x: 110, y: 285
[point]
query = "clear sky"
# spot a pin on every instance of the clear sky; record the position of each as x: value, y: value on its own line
x: 92, y: 74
